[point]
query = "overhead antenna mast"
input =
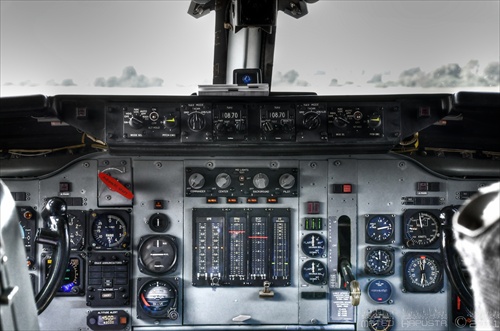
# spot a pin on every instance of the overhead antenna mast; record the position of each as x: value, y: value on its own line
x: 245, y: 32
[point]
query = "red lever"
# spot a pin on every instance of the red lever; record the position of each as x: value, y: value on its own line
x: 115, y: 185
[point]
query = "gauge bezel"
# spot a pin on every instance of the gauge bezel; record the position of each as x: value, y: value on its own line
x: 370, y: 219
x: 381, y: 314
x: 123, y: 215
x: 410, y: 242
x: 170, y: 311
x: 389, y: 270
x: 318, y: 282
x: 304, y: 247
x: 143, y: 266
x: 409, y: 286
x: 79, y: 286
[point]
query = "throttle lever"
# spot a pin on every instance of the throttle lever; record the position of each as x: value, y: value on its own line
x: 57, y: 235
x: 351, y: 282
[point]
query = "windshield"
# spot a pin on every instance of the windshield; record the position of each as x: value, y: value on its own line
x: 339, y: 47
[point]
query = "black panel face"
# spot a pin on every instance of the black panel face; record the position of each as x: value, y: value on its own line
x: 108, y: 278
x: 238, y: 247
x: 242, y: 182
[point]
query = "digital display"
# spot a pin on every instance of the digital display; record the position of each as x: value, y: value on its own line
x: 107, y: 320
x: 230, y: 114
x: 277, y: 114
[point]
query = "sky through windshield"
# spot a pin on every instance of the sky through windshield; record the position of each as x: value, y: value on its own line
x: 340, y: 47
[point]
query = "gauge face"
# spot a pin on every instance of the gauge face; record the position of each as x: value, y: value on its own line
x: 380, y: 320
x: 314, y: 272
x: 422, y: 273
x: 76, y: 231
x: 156, y: 297
x: 158, y: 254
x: 109, y: 231
x: 422, y: 229
x: 159, y: 222
x: 313, y: 245
x: 72, y: 277
x: 379, y: 261
x: 380, y: 290
x: 379, y: 229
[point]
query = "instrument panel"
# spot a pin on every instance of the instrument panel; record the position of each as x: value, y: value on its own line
x: 246, y: 242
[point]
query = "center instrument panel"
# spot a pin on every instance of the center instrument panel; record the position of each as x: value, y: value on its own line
x: 223, y: 242
x: 234, y: 213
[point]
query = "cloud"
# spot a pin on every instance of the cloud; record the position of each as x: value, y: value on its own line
x: 448, y: 75
x: 65, y: 82
x: 129, y: 78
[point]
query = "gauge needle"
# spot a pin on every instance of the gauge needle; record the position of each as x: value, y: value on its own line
x: 383, y: 227
x: 313, y: 268
x: 312, y: 241
x: 422, y: 279
x: 420, y: 220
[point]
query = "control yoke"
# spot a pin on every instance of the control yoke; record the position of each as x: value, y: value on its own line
x: 55, y: 234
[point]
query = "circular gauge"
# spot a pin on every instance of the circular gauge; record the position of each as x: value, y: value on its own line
x: 379, y: 261
x: 157, y: 254
x: 379, y: 229
x: 75, y: 231
x: 380, y: 320
x: 314, y: 272
x: 421, y: 229
x: 379, y: 290
x: 422, y: 273
x: 313, y: 245
x: 159, y: 222
x: 109, y: 230
x: 157, y: 298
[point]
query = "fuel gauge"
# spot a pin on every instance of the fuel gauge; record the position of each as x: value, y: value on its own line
x: 313, y: 245
x: 314, y: 272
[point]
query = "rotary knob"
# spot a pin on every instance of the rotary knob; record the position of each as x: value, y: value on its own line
x: 196, y: 121
x: 287, y: 181
x: 223, y: 180
x: 375, y: 120
x: 311, y: 120
x: 170, y: 121
x: 136, y: 122
x: 196, y: 181
x: 260, y: 181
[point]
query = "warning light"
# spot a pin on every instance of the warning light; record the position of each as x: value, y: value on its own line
x: 272, y: 200
x: 232, y: 200
x: 212, y: 200
x: 252, y: 200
